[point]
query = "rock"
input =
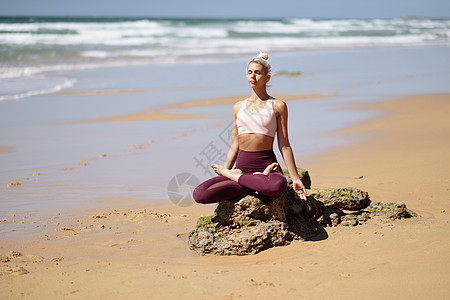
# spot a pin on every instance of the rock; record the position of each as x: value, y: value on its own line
x: 254, y: 223
x: 391, y: 210
x: 334, y: 219
x: 203, y: 220
x: 304, y: 177
x: 349, y: 220
x: 343, y: 198
x: 224, y: 240
x: 354, y: 219
x: 331, y: 216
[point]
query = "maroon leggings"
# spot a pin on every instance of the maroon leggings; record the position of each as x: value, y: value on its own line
x: 221, y: 188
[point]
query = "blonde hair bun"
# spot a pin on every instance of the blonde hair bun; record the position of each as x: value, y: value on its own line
x: 263, y: 55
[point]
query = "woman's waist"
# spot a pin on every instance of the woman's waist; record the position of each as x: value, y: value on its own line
x: 254, y: 161
x: 266, y: 153
x: 253, y: 142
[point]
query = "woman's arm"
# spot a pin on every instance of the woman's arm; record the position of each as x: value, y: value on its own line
x: 286, y: 150
x: 232, y: 153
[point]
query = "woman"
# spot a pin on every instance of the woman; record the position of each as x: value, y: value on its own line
x: 255, y: 122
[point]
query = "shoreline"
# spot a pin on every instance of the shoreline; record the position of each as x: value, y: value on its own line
x: 143, y: 249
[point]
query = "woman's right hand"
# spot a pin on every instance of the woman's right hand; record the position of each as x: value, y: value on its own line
x: 299, y: 189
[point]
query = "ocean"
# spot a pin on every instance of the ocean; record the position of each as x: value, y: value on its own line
x: 38, y: 55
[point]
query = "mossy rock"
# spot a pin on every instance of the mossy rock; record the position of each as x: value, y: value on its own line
x: 304, y: 177
x: 391, y: 210
x: 254, y: 223
x: 204, y: 220
x: 347, y: 198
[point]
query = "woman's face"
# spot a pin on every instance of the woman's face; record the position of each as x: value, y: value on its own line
x: 256, y: 75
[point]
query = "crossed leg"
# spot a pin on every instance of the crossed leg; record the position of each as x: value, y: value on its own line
x: 218, y: 189
x: 232, y: 183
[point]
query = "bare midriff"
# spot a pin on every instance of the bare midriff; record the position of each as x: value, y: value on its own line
x: 255, y: 142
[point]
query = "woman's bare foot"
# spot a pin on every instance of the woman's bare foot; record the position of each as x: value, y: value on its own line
x: 270, y: 168
x: 232, y: 174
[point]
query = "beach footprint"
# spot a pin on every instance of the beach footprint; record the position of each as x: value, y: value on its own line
x: 7, y: 270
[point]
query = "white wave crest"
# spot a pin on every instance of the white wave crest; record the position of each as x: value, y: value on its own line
x: 65, y: 84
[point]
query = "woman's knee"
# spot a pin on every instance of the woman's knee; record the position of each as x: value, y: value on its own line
x: 197, y: 195
x: 276, y: 187
x: 200, y: 194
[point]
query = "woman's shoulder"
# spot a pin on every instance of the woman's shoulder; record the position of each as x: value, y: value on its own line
x: 238, y: 104
x: 279, y: 104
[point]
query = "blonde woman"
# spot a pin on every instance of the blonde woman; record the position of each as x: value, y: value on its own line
x: 256, y: 122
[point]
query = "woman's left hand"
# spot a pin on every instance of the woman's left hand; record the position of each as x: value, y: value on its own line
x: 299, y: 189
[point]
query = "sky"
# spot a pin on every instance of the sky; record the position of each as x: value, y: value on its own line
x: 229, y: 8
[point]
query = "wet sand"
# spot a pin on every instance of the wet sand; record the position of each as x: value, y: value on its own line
x: 141, y: 117
x: 141, y: 252
x: 230, y: 100
x: 161, y: 112
x: 7, y: 149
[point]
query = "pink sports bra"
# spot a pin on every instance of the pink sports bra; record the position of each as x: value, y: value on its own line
x: 263, y: 122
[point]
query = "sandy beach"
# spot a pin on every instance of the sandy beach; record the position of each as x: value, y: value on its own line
x: 126, y: 250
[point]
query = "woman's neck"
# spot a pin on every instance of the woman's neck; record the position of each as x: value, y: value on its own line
x: 259, y: 95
